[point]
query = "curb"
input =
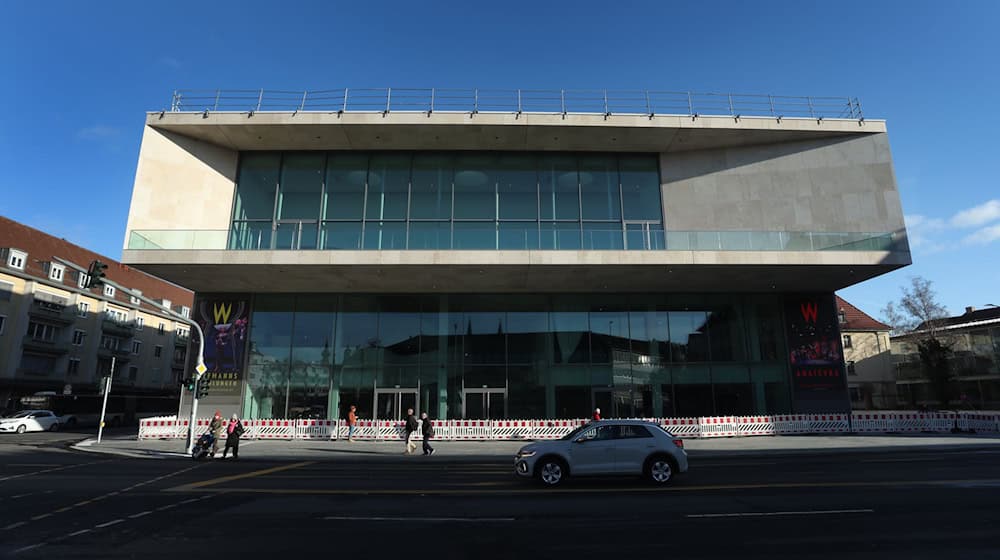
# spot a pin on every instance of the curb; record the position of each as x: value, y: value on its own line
x: 88, y: 446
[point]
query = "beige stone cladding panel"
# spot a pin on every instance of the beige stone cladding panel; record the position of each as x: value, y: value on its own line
x: 824, y: 185
x: 16, y: 312
x: 181, y: 184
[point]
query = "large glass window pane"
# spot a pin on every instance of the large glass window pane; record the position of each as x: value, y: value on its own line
x: 430, y: 235
x: 562, y: 236
x: 356, y: 351
x: 475, y: 188
x: 341, y: 235
x: 650, y: 337
x: 693, y: 391
x: 689, y: 336
x: 270, y: 353
x: 301, y: 186
x: 430, y: 196
x: 570, y: 332
x: 599, y: 190
x: 258, y: 183
x: 559, y: 188
x: 726, y: 335
x: 346, y: 174
x: 640, y: 178
x: 312, y: 356
x: 251, y: 236
x: 517, y: 188
x: 526, y: 392
x: 602, y: 236
x: 518, y: 236
x: 733, y: 392
x: 388, y: 187
x: 485, y: 337
x: 385, y: 235
x: 475, y: 235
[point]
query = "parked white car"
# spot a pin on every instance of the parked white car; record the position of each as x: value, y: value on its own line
x: 606, y: 447
x: 30, y: 421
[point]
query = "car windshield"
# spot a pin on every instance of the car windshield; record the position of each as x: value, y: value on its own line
x: 23, y: 414
x: 574, y: 433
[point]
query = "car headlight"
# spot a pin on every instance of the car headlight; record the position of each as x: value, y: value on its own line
x: 522, y: 454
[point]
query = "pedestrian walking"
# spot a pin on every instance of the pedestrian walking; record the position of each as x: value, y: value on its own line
x: 597, y: 415
x: 427, y: 427
x: 234, y: 431
x: 412, y: 425
x: 215, y: 427
x: 352, y: 420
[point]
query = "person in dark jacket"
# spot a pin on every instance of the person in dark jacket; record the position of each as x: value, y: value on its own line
x: 216, y: 428
x: 233, y: 432
x: 412, y: 425
x: 427, y: 427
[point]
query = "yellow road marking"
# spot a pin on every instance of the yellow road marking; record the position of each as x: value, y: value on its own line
x: 230, y: 478
x: 456, y: 491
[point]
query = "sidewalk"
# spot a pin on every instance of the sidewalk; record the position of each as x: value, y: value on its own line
x: 319, y: 450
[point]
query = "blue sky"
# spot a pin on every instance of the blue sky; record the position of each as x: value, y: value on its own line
x: 79, y: 76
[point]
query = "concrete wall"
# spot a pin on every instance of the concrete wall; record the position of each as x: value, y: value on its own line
x: 832, y: 185
x: 181, y: 184
x: 874, y: 372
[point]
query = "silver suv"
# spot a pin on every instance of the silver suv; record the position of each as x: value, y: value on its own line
x: 605, y: 447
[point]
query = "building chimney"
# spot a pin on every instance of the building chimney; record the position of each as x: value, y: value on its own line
x: 970, y: 309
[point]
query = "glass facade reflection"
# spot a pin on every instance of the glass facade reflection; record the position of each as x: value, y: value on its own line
x: 447, y: 200
x: 483, y: 356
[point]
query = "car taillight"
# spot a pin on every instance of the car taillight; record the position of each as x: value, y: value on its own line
x: 679, y: 443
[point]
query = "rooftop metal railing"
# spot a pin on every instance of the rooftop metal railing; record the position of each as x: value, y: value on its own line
x: 517, y: 101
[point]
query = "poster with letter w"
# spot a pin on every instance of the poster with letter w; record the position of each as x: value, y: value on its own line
x: 224, y: 322
x: 815, y: 355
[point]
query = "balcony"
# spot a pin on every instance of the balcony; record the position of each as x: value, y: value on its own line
x: 44, y: 346
x: 181, y: 340
x: 118, y: 328
x: 121, y: 354
x: 52, y: 310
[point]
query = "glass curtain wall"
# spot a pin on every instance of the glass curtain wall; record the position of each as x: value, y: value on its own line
x: 516, y: 356
x: 445, y: 200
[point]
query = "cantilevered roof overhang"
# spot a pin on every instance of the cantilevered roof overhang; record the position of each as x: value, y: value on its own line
x: 496, y: 131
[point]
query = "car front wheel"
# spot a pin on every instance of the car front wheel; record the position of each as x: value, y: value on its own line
x: 54, y: 427
x: 659, y: 469
x: 22, y: 428
x: 551, y: 472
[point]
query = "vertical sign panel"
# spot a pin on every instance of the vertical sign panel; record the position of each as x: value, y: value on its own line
x: 816, y: 358
x: 224, y: 321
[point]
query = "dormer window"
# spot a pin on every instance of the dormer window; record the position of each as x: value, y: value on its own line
x: 56, y: 272
x: 16, y: 259
x: 842, y: 317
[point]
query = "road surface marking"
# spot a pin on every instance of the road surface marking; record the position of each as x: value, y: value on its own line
x: 78, y: 533
x: 21, y: 495
x: 14, y: 525
x: 779, y: 513
x: 42, y: 516
x: 422, y: 519
x: 252, y: 474
x: 27, y: 548
x: 166, y: 507
x: 109, y: 523
x: 43, y: 471
x: 140, y: 514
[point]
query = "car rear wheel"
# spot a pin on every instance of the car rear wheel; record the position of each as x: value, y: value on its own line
x: 22, y: 428
x: 659, y: 469
x: 551, y: 471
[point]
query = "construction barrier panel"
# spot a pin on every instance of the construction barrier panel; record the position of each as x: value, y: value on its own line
x: 755, y: 426
x: 169, y: 427
x: 718, y: 426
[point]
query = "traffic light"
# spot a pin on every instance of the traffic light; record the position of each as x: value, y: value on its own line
x: 203, y: 386
x: 188, y: 383
x: 95, y: 274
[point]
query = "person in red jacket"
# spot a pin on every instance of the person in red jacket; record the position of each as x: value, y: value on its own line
x: 597, y: 415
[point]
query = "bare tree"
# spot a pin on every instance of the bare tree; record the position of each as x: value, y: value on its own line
x: 919, y: 317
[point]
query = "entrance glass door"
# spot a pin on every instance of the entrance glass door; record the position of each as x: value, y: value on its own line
x: 391, y: 404
x: 485, y: 404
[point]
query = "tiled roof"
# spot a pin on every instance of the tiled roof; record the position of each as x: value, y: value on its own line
x: 974, y: 316
x: 858, y: 320
x: 41, y: 247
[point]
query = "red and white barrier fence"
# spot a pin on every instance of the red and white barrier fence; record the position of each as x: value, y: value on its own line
x: 168, y: 427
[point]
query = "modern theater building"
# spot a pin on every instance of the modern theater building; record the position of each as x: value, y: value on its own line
x: 516, y: 254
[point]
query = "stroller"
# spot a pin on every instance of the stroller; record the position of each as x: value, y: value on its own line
x: 203, y: 447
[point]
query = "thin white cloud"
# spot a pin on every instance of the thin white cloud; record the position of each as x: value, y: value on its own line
x: 922, y: 230
x: 97, y: 132
x: 977, y: 215
x: 983, y: 236
x: 170, y: 61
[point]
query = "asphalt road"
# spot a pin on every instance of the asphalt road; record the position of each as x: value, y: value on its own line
x: 56, y: 503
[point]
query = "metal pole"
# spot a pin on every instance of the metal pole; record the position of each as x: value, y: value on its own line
x: 197, y: 381
x: 104, y: 407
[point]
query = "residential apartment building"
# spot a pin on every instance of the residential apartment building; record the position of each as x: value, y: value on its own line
x: 57, y: 336
x: 517, y: 254
x: 973, y: 366
x: 871, y: 378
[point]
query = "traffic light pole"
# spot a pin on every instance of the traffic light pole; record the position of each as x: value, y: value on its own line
x: 104, y: 406
x: 199, y: 368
